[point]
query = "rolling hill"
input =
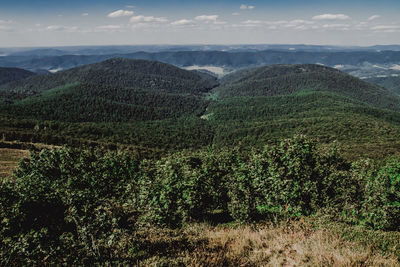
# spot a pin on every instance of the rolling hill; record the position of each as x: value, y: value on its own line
x: 158, y: 106
x: 13, y: 74
x: 391, y: 83
x: 262, y: 105
x: 140, y: 74
x: 296, y: 79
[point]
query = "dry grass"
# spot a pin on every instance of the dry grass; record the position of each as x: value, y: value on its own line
x: 290, y: 244
x: 294, y: 244
x: 9, y: 159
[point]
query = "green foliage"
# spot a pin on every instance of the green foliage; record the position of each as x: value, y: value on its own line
x: 295, y: 79
x: 13, y: 74
x: 182, y: 188
x: 65, y: 200
x: 391, y: 83
x: 101, y: 103
x: 119, y: 72
x: 71, y: 206
x: 381, y: 205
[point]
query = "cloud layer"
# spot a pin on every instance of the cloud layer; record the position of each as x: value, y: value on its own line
x: 120, y: 13
x: 331, y: 17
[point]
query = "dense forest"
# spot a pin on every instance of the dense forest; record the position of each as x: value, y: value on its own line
x: 153, y: 106
x: 13, y: 74
x: 392, y: 83
x: 143, y: 148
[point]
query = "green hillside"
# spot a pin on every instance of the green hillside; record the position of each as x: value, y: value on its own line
x: 391, y: 83
x: 132, y: 102
x: 13, y: 74
x: 103, y: 103
x: 153, y: 105
x: 295, y: 79
x: 118, y: 72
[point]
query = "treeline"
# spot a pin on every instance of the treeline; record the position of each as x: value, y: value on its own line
x: 102, y: 103
x: 167, y: 135
x: 72, y: 206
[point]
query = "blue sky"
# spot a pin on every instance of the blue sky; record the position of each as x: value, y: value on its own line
x: 100, y: 22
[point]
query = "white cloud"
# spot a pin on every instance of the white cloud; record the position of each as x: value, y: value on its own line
x: 85, y: 14
x: 120, y: 13
x: 385, y: 27
x: 374, y: 17
x: 235, y: 14
x: 109, y: 27
x: 207, y: 18
x: 253, y: 22
x: 297, y: 24
x: 183, y: 22
x: 142, y: 18
x: 336, y: 26
x: 301, y: 21
x: 244, y: 7
x: 147, y: 26
x: 60, y: 28
x: 331, y: 17
x: 130, y: 6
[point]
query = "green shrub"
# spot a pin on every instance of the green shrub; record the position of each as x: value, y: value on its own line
x: 183, y: 188
x: 65, y: 193
x: 381, y: 205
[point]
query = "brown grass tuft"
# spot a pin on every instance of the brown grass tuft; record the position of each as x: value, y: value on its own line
x: 9, y: 159
x: 292, y: 244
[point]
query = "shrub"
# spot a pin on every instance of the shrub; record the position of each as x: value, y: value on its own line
x: 381, y: 205
x: 64, y: 193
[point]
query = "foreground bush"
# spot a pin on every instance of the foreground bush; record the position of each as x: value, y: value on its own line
x: 381, y: 205
x: 80, y: 207
x: 65, y: 203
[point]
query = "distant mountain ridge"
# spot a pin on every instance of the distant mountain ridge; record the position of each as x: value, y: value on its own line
x: 231, y: 59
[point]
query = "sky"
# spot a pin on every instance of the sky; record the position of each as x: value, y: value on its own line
x: 35, y: 23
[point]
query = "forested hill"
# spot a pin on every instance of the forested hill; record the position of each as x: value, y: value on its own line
x: 296, y: 79
x: 154, y: 105
x: 13, y: 74
x: 118, y: 72
x: 391, y: 83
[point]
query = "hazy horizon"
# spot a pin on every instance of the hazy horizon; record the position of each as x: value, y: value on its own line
x: 98, y: 23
